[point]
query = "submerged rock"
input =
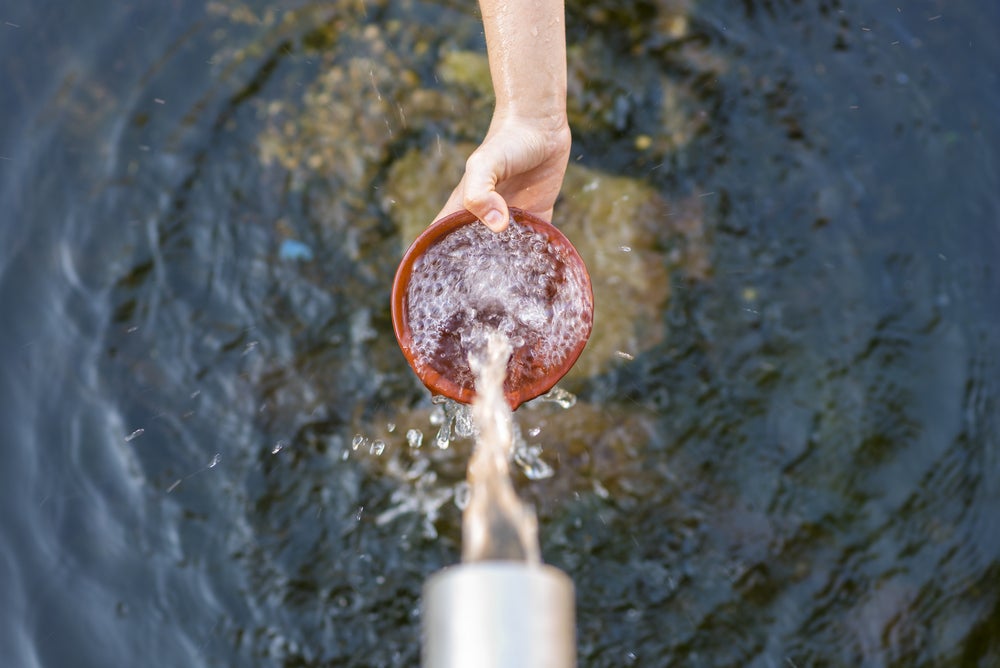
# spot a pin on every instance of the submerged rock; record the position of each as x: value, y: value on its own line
x: 613, y: 221
x: 467, y: 68
x: 630, y: 237
x: 419, y: 183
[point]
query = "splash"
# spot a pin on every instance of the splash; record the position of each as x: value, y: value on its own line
x: 520, y: 282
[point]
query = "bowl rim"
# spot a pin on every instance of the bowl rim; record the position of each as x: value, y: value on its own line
x: 434, y: 380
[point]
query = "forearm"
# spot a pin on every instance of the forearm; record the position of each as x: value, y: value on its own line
x: 523, y: 158
x: 526, y: 43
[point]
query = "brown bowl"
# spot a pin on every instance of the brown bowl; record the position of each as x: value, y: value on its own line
x: 461, y: 295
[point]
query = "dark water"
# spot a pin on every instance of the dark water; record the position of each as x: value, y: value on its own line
x: 804, y: 471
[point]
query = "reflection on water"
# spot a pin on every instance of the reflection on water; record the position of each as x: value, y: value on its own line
x: 785, y: 446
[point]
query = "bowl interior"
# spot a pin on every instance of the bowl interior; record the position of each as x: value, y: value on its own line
x: 458, y: 281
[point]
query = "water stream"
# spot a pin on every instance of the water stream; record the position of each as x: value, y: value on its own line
x: 496, y: 524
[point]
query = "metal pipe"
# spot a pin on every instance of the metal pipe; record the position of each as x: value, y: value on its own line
x: 499, y: 614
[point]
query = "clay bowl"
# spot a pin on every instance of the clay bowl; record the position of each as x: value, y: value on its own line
x: 443, y: 290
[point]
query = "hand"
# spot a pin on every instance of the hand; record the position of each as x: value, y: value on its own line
x: 521, y: 162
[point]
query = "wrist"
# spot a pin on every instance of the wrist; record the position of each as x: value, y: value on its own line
x: 548, y: 132
x: 549, y: 118
x: 526, y: 45
x: 548, y: 112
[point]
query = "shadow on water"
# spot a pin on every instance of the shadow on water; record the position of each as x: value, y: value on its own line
x: 784, y: 450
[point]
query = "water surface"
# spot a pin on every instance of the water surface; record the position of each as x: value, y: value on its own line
x: 793, y: 461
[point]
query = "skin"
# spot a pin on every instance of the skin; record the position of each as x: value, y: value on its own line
x: 522, y: 160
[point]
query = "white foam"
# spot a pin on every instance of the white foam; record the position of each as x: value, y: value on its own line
x: 474, y: 281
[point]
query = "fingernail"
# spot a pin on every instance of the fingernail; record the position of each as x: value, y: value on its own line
x: 493, y: 219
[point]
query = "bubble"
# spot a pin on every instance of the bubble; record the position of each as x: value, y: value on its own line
x: 473, y: 282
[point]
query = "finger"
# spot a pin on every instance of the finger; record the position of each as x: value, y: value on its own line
x: 484, y: 210
x: 490, y: 208
x: 480, y: 196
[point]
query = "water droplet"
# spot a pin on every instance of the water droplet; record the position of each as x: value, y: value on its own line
x: 135, y: 434
x: 377, y: 447
x: 391, y: 427
x: 437, y: 416
x: 215, y: 460
x: 443, y: 438
x: 464, y: 427
x: 415, y: 438
x: 357, y: 515
x: 537, y: 470
x: 534, y: 431
x: 358, y: 441
x: 528, y: 458
x: 462, y: 494
x: 559, y: 396
x: 278, y: 447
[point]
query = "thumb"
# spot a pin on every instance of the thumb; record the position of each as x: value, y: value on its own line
x: 480, y: 196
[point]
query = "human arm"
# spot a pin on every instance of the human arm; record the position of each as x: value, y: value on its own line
x: 522, y: 160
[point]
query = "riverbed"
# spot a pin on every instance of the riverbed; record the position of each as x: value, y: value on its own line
x: 784, y: 449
